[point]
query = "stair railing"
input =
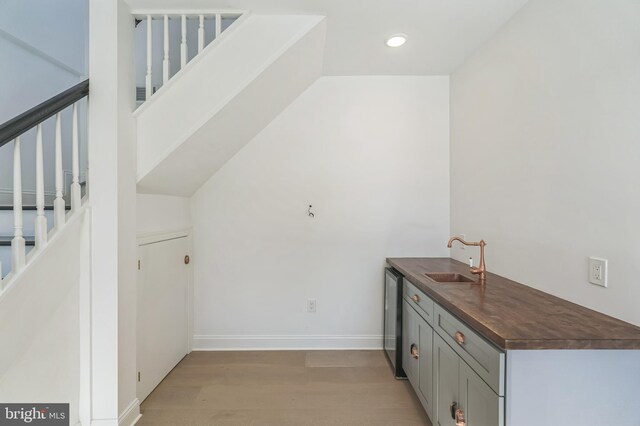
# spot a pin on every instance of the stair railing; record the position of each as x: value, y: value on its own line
x: 11, y: 131
x: 219, y: 20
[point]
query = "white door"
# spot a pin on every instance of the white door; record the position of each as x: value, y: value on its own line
x: 162, y: 325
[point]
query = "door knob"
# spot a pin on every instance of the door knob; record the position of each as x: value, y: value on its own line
x: 187, y: 260
x: 460, y: 420
x: 414, y: 351
x: 415, y: 298
x: 459, y: 338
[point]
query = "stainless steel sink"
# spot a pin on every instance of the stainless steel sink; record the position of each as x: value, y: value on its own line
x: 449, y: 277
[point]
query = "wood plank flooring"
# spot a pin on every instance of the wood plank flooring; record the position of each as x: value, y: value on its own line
x: 283, y: 388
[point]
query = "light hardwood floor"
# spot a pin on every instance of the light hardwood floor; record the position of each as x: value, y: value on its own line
x: 283, y: 388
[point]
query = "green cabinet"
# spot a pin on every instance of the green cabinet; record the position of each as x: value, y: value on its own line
x: 481, y: 405
x: 425, y: 362
x: 444, y: 382
x: 417, y: 341
x: 410, y: 342
x: 458, y: 389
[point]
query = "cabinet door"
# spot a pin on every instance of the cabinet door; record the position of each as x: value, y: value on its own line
x: 410, y: 343
x: 425, y: 363
x: 446, y: 364
x: 480, y: 404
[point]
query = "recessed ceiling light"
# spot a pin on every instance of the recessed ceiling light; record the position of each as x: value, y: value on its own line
x: 396, y: 40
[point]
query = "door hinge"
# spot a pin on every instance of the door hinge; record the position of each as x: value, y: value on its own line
x: 138, y: 376
x: 138, y: 265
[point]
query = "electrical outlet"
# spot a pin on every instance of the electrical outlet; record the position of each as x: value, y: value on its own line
x: 311, y: 305
x: 598, y: 271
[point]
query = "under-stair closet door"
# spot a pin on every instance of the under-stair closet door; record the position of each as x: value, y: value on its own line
x: 162, y: 325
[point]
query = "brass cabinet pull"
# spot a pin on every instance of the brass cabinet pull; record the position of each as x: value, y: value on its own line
x: 415, y: 298
x: 459, y: 338
x: 187, y: 259
x: 414, y: 351
x: 457, y: 414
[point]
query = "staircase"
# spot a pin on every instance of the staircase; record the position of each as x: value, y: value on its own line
x: 23, y: 228
x: 208, y: 81
x: 7, y: 229
x: 225, y: 96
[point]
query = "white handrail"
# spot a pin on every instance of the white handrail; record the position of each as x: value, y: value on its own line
x: 160, y: 13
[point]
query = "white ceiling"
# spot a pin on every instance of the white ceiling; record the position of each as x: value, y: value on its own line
x: 441, y: 33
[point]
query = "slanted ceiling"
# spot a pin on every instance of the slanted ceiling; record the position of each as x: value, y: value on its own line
x: 442, y: 34
x: 203, y: 118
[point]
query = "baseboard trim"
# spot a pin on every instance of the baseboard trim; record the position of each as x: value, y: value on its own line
x: 131, y: 415
x: 249, y: 343
x: 104, y: 422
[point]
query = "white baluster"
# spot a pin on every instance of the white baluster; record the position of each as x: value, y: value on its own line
x: 17, y: 244
x: 59, y: 204
x: 41, y: 220
x: 201, y: 34
x: 148, y: 82
x: 183, y: 43
x: 165, y: 61
x: 218, y: 24
x: 75, y: 162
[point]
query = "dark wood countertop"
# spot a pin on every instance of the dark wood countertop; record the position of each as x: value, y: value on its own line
x: 515, y: 316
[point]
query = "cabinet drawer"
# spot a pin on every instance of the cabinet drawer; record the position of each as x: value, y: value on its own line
x: 419, y: 300
x: 485, y: 359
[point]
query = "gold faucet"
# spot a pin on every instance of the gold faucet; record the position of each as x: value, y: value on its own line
x: 480, y: 271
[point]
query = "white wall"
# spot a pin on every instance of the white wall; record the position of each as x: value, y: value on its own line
x: 43, y: 46
x: 162, y: 213
x: 58, y: 28
x: 40, y: 323
x: 371, y: 155
x: 43, y: 50
x: 113, y: 201
x: 544, y: 150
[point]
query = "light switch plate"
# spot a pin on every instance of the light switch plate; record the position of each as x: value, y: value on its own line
x: 598, y: 271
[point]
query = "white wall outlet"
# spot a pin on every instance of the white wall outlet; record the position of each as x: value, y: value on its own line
x: 311, y: 305
x: 598, y: 271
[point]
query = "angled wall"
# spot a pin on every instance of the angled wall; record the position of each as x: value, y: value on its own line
x: 216, y: 105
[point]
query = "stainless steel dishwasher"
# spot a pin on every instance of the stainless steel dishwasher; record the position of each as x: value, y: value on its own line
x: 393, y: 320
